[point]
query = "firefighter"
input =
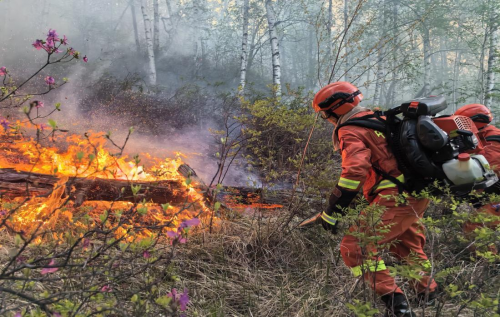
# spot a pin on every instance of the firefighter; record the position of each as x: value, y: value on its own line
x: 482, y: 118
x: 365, y: 157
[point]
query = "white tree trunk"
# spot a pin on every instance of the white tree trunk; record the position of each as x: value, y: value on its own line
x: 273, y: 36
x: 427, y: 60
x: 156, y: 28
x: 492, y: 59
x: 329, y: 25
x: 244, y: 53
x: 346, y: 40
x: 379, y: 77
x: 149, y: 44
x: 444, y: 64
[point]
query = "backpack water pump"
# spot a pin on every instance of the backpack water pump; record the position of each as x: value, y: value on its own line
x: 428, y: 147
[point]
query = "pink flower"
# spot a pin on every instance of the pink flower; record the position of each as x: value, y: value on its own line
x: 18, y: 314
x: 50, y: 80
x: 47, y: 270
x: 3, y: 71
x: 184, y: 300
x: 176, y: 236
x: 36, y: 104
x: 38, y: 44
x: 181, y: 299
x: 190, y: 223
x: 106, y: 289
x: 85, y: 243
x: 5, y: 124
x: 50, y: 44
x: 52, y: 35
x: 85, y: 59
x: 146, y: 254
x: 71, y: 51
x: 64, y: 40
x: 21, y: 259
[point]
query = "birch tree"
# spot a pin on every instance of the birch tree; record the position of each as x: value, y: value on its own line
x: 379, y: 77
x: 149, y: 45
x: 244, y: 43
x: 492, y: 55
x: 346, y: 47
x: 156, y: 28
x: 273, y: 38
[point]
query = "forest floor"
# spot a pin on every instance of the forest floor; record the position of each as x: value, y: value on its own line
x: 249, y: 267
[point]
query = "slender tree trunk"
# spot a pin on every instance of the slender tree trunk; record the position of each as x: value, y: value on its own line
x: 273, y: 37
x: 456, y: 68
x: 391, y: 94
x: 444, y: 64
x: 244, y: 53
x: 346, y: 46
x: 149, y: 44
x: 169, y: 8
x: 427, y: 59
x: 492, y: 58
x: 456, y: 71
x: 134, y: 22
x: 311, y: 60
x: 252, y: 52
x: 379, y: 77
x: 480, y: 75
x: 156, y: 28
x: 329, y: 25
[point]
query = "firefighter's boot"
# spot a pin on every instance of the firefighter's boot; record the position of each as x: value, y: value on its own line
x: 427, y: 301
x: 397, y: 306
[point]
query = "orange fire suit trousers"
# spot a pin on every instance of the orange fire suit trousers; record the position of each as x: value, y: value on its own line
x: 407, y: 242
x: 491, y: 209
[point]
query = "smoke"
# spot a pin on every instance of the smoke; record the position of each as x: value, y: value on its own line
x: 104, y: 32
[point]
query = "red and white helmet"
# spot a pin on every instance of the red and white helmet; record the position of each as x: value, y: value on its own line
x: 479, y: 113
x: 336, y: 99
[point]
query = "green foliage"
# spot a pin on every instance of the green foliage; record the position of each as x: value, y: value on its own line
x: 361, y: 309
x: 277, y: 133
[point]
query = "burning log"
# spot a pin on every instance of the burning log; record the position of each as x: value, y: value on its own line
x: 25, y: 184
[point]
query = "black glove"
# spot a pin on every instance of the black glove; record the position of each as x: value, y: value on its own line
x: 339, y: 199
x: 329, y: 223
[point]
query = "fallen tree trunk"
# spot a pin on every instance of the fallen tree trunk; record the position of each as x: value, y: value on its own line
x: 25, y: 184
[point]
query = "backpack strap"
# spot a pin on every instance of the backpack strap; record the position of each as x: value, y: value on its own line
x: 370, y: 121
x: 495, y: 138
x: 375, y: 122
x: 401, y: 186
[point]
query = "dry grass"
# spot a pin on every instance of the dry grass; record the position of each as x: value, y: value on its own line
x: 247, y: 267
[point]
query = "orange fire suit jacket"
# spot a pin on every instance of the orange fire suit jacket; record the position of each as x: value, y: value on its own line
x: 362, y: 149
x: 492, y: 150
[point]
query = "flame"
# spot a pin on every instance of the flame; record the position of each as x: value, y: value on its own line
x: 87, y: 156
